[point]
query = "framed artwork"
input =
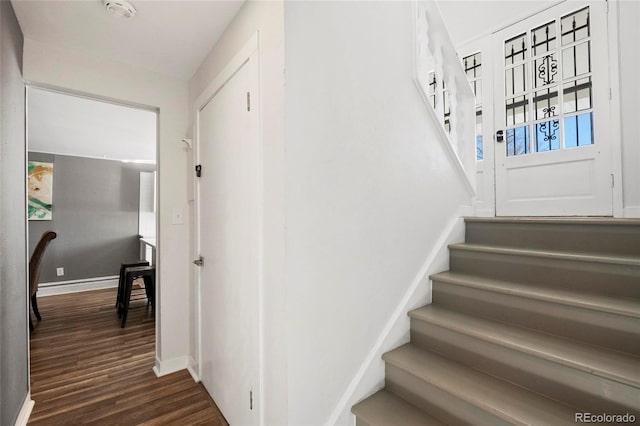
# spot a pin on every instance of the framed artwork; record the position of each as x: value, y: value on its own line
x: 40, y: 190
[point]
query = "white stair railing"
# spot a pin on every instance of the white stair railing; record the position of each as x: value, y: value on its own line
x: 443, y: 84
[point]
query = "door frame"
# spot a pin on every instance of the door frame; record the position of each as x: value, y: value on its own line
x: 249, y: 50
x: 483, y: 43
x: 99, y: 98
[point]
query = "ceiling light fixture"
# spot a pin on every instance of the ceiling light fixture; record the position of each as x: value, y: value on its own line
x: 120, y: 8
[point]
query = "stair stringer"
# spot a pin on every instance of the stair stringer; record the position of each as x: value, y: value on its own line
x: 370, y: 376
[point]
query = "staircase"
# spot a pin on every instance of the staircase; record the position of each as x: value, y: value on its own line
x: 537, y: 320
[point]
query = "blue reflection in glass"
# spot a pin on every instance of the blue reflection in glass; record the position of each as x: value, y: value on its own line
x: 578, y: 130
x: 546, y: 136
x: 479, y: 148
x: 517, y: 141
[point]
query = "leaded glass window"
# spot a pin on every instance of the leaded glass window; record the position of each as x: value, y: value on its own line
x: 438, y: 92
x: 446, y: 105
x: 548, y: 86
x: 473, y: 68
x: 432, y: 88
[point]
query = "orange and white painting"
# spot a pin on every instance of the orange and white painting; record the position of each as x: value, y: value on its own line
x: 40, y: 190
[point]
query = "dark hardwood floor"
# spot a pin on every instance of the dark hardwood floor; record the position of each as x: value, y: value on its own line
x: 85, y: 369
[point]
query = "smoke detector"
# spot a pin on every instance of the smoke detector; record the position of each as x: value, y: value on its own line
x: 120, y: 8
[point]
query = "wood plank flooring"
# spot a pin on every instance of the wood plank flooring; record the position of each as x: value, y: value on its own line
x: 87, y: 370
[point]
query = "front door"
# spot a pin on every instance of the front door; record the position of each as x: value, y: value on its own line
x: 552, y: 151
x: 228, y: 220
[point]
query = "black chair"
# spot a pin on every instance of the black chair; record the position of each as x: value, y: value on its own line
x: 34, y: 272
x: 148, y: 274
x: 124, y: 266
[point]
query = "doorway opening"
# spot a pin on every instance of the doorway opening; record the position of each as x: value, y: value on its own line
x: 92, y: 172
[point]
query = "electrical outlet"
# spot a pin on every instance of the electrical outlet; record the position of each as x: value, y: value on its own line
x: 59, y: 272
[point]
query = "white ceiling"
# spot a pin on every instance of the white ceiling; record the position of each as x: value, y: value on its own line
x: 170, y: 37
x: 468, y: 19
x: 70, y: 125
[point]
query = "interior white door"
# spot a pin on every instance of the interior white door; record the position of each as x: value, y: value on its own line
x: 229, y: 202
x: 552, y: 112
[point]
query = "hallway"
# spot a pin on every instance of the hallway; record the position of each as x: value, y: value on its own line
x: 85, y: 369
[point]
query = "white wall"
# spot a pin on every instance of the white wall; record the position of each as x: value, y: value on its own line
x: 369, y: 188
x: 50, y: 65
x: 629, y: 60
x: 267, y: 18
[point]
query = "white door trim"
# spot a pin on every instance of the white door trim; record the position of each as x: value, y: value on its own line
x: 251, y: 47
x: 615, y: 119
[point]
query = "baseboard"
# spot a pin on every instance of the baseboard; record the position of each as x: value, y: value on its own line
x: 25, y: 411
x: 632, y: 212
x: 162, y: 368
x: 193, y: 370
x: 370, y: 376
x: 483, y: 212
x: 75, y: 286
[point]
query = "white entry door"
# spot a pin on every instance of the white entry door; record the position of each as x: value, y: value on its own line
x: 552, y: 114
x: 229, y: 203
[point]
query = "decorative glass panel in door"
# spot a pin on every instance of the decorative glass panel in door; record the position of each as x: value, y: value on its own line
x: 553, y: 110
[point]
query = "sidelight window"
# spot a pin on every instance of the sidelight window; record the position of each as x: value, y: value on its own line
x: 473, y: 68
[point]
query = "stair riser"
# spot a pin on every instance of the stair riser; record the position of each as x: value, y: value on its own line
x: 435, y: 401
x: 387, y: 409
x: 599, y: 328
x: 590, y: 277
x: 584, y: 238
x: 569, y: 385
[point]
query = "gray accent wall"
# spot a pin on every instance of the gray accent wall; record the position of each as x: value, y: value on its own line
x: 14, y: 337
x: 95, y: 213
